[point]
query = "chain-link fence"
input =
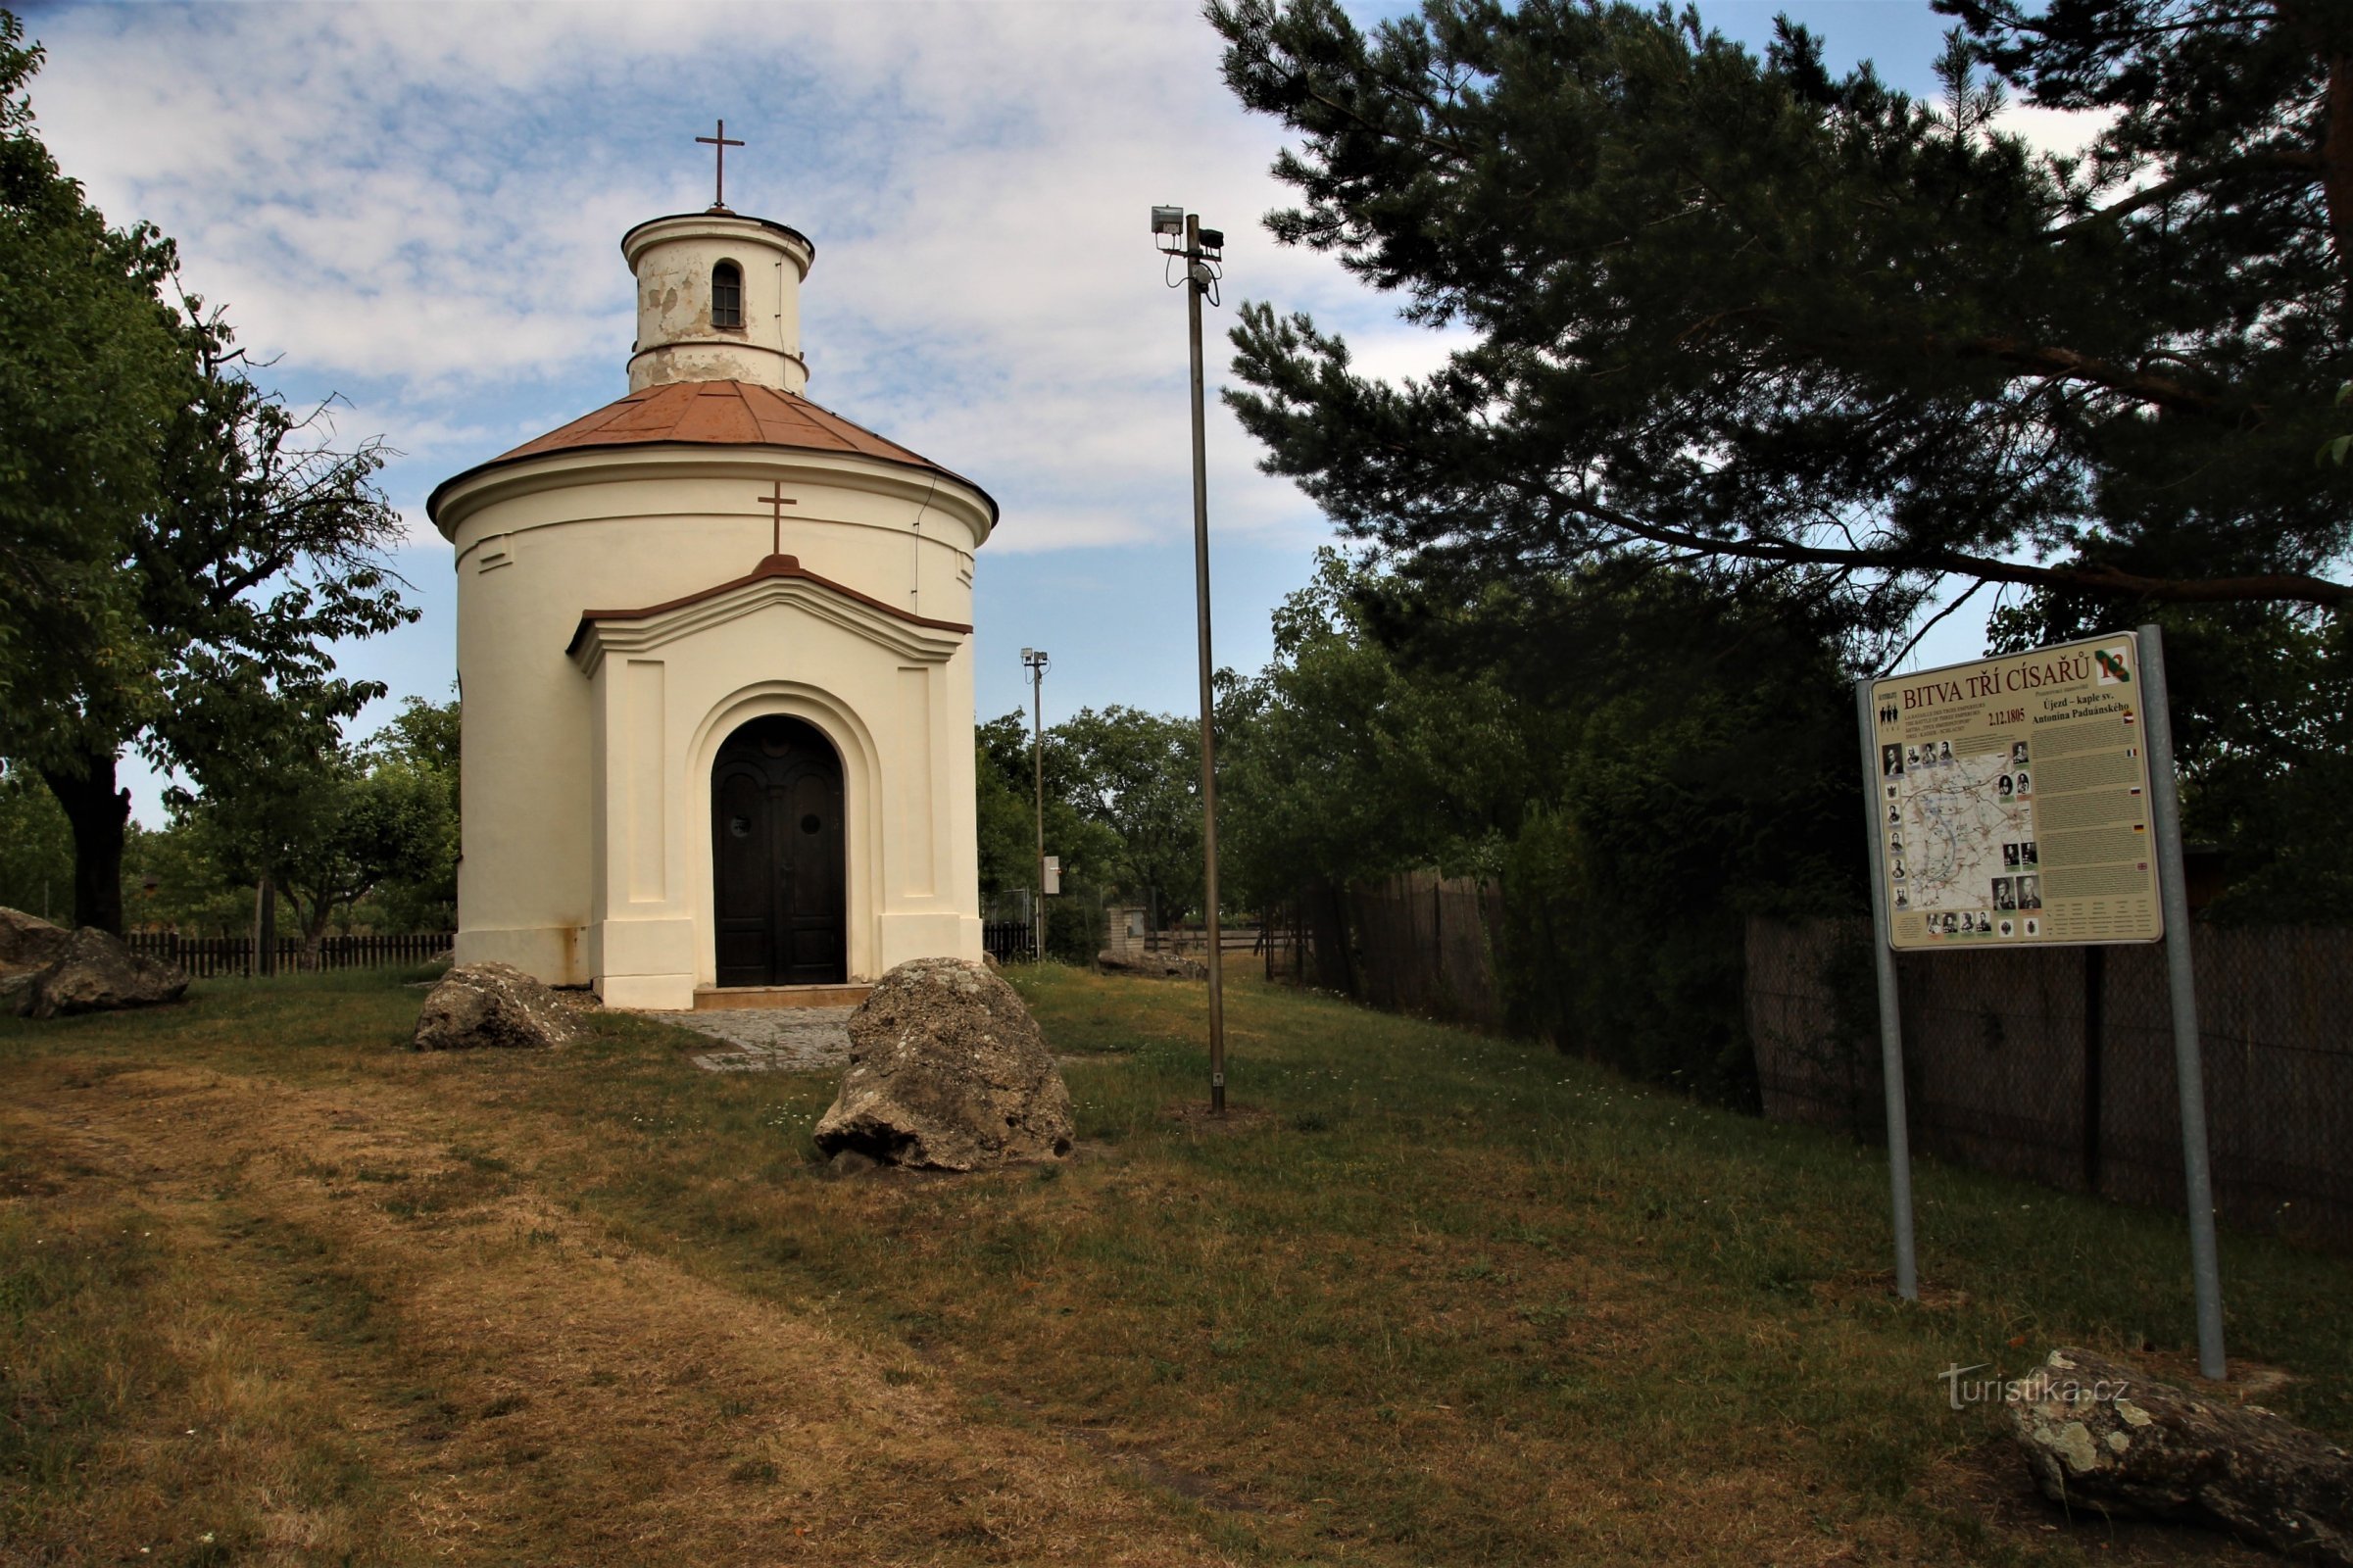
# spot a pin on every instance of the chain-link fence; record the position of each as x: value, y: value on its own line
x: 2057, y: 1064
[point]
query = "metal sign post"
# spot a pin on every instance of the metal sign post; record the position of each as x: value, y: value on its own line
x: 2028, y: 800
x: 2205, y: 1268
x: 1891, y: 1022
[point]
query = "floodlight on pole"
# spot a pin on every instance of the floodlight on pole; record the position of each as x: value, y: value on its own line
x: 1035, y: 660
x: 1199, y: 247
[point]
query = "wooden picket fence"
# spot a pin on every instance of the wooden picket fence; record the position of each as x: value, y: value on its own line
x: 208, y: 957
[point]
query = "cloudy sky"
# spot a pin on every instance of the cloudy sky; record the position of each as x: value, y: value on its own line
x: 418, y: 207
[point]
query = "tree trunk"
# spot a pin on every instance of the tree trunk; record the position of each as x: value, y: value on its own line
x: 98, y: 813
x: 265, y: 928
x: 313, y: 933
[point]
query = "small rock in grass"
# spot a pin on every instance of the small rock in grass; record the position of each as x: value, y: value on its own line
x: 1160, y: 963
x: 490, y: 1005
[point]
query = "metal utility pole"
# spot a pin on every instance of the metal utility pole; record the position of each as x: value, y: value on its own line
x: 1035, y: 660
x: 1200, y: 278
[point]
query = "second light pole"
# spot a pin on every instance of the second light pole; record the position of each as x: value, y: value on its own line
x: 1035, y: 660
x: 1200, y: 253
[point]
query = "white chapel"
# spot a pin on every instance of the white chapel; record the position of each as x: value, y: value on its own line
x: 715, y: 650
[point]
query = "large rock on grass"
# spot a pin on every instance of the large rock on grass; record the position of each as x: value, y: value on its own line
x: 948, y: 1071
x: 2099, y: 1436
x: 495, y: 1005
x: 94, y: 972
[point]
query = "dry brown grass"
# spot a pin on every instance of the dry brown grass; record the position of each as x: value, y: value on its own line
x: 282, y: 1285
x: 518, y: 1385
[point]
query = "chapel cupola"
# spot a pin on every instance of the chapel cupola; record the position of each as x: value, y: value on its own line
x: 718, y: 299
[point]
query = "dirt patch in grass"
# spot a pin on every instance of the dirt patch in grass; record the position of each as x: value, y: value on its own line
x: 1195, y: 1116
x: 522, y: 1387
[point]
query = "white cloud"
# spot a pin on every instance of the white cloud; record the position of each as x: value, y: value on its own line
x: 2064, y: 133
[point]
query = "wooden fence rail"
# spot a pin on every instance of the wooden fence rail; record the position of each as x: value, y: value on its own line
x: 208, y: 957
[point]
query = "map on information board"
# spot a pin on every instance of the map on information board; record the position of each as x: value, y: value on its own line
x: 2013, y: 800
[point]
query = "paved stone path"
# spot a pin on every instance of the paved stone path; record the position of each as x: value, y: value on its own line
x: 770, y: 1039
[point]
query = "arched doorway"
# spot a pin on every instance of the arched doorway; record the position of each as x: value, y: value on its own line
x: 777, y: 856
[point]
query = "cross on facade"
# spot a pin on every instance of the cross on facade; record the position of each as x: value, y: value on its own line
x: 777, y: 501
x: 720, y: 145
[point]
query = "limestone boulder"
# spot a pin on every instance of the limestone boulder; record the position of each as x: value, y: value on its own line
x: 2100, y: 1437
x: 94, y: 972
x: 491, y: 1005
x: 948, y: 1071
x: 1163, y: 964
x: 28, y: 941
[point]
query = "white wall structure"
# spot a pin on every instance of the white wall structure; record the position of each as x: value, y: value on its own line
x: 647, y: 596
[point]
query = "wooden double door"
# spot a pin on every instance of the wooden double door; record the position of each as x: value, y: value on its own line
x: 777, y: 850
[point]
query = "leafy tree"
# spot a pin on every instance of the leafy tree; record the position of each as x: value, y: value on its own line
x: 1811, y: 330
x: 90, y: 374
x: 36, y: 848
x: 1008, y: 823
x: 327, y: 828
x: 225, y: 544
x: 2262, y: 700
x: 418, y: 745
x: 172, y: 879
x: 1344, y: 765
x: 1138, y: 776
x: 1704, y: 774
x: 1643, y: 759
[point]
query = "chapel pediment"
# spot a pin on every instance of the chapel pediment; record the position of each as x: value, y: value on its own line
x: 779, y: 580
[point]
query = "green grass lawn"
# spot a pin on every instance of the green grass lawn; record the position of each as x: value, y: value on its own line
x: 1432, y: 1298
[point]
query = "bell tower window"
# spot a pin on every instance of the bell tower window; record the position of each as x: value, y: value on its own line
x: 726, y: 295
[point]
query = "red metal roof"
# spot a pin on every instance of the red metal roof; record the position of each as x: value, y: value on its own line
x: 717, y: 413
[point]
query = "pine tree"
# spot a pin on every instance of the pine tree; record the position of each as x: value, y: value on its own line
x: 1737, y: 313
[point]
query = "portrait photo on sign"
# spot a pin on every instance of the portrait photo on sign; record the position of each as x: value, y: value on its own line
x: 2018, y: 753
x: 2005, y: 896
x: 1890, y: 761
x: 2030, y: 893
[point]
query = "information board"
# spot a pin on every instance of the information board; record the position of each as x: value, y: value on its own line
x: 2013, y: 800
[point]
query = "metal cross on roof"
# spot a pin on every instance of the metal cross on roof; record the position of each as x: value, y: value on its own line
x: 720, y: 144
x: 777, y: 501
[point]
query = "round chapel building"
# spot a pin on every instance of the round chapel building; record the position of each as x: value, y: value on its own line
x: 715, y: 647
